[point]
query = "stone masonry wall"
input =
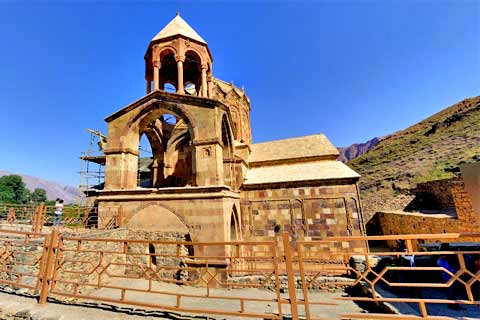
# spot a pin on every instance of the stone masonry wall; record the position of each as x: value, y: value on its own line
x: 397, y: 223
x: 469, y: 219
x: 307, y: 213
x: 77, y: 266
x: 440, y: 190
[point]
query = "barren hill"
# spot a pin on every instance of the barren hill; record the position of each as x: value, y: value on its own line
x: 429, y: 150
x: 356, y: 150
x: 54, y: 189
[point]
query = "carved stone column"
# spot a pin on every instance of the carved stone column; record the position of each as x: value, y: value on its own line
x: 204, y: 80
x: 180, y: 60
x: 149, y: 86
x: 156, y: 75
x: 210, y: 85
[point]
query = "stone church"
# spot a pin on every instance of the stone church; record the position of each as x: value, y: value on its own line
x: 206, y: 180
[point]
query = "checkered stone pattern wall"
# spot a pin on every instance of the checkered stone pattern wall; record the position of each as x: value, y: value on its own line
x: 310, y: 213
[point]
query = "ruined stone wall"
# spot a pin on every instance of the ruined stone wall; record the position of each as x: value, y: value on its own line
x: 397, y: 222
x: 469, y: 219
x: 440, y: 190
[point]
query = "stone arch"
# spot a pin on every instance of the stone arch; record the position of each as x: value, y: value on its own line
x: 165, y: 50
x: 235, y: 225
x: 146, y: 118
x: 192, y: 69
x: 195, y: 52
x: 227, y: 116
x: 158, y: 218
x: 155, y: 109
x: 168, y: 72
x: 227, y: 151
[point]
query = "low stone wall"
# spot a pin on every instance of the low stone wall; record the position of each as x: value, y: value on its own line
x: 401, y: 222
x: 84, y: 261
x: 321, y: 283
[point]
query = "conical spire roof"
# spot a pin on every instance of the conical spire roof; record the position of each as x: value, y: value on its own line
x: 178, y: 26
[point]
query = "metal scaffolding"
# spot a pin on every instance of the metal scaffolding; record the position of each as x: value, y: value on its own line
x: 92, y: 167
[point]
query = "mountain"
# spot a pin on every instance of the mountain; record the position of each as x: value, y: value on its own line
x: 356, y: 149
x: 54, y: 189
x: 429, y: 150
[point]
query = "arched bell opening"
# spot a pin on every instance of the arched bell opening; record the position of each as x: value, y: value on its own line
x: 192, y: 72
x: 168, y: 73
x: 169, y: 87
x: 191, y: 89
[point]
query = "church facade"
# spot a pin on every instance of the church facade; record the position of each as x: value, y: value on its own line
x: 206, y: 180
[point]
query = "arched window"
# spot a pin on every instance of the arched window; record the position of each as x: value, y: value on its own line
x: 145, y: 162
x: 228, y: 161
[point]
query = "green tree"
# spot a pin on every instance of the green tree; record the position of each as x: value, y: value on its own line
x: 38, y: 195
x: 12, y: 190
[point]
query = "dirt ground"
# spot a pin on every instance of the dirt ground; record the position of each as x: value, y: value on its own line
x: 12, y: 304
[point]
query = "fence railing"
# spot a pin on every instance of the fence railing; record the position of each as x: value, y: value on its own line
x: 41, y: 215
x: 231, y: 279
x: 22, y: 258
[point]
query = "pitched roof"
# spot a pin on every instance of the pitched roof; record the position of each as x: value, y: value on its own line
x: 314, y: 146
x: 178, y: 26
x: 299, y: 172
x: 226, y: 88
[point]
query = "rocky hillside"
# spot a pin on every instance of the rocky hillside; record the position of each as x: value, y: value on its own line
x: 429, y: 150
x: 54, y: 190
x: 356, y: 149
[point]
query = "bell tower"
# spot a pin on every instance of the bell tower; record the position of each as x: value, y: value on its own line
x: 179, y: 60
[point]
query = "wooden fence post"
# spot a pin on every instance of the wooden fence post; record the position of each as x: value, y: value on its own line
x: 34, y: 219
x: 287, y: 247
x: 41, y: 216
x: 121, y: 217
x: 47, y: 275
x: 11, y: 216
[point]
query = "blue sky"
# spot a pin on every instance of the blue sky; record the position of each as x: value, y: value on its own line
x: 350, y: 69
